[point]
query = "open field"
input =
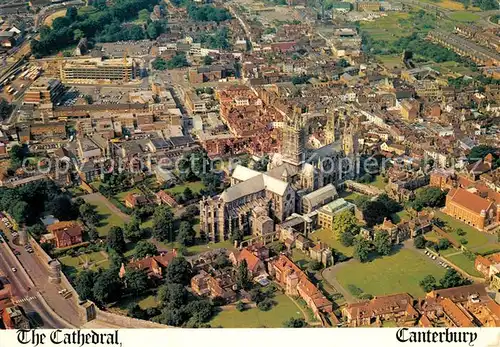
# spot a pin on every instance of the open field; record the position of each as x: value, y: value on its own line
x: 328, y: 237
x: 464, y: 263
x: 379, y: 182
x: 391, y: 61
x: 109, y: 218
x: 450, y: 5
x: 464, y: 16
x: 48, y: 21
x: 387, y: 28
x: 255, y: 318
x: 194, y: 186
x: 474, y: 237
x: 397, y: 273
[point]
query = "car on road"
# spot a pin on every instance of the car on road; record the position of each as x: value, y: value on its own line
x: 14, y: 269
x: 16, y: 252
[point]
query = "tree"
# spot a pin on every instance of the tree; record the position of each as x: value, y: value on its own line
x: 163, y: 224
x: 5, y: 109
x: 84, y: 284
x: 21, y: 212
x: 265, y: 305
x: 428, y: 197
x: 136, y: 281
x: 177, y: 61
x: 186, y: 234
x: 172, y: 294
x: 374, y: 212
x: 78, y: 34
x: 240, y: 306
x: 314, y: 265
x: 461, y: 232
x: 178, y: 271
x: 159, y: 64
x: 382, y: 242
x: 429, y: 283
x: 295, y: 323
x: 145, y: 248
x: 188, y: 194
x: 444, y: 244
x: 361, y: 249
x: 71, y: 13
x: 243, y: 276
x: 133, y: 231
x: 344, y: 222
x: 208, y: 60
x: 143, y: 15
x: 419, y: 242
x: 347, y: 239
x: 17, y: 154
x: 236, y: 236
x: 453, y: 279
x: 200, y: 311
x: 115, y: 239
x: 355, y: 291
x: 62, y: 208
x: 108, y: 287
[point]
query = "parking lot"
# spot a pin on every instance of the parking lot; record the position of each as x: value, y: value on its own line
x: 437, y: 259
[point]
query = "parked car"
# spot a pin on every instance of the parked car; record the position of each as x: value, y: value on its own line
x: 14, y: 269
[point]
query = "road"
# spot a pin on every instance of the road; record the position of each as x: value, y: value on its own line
x: 25, y: 295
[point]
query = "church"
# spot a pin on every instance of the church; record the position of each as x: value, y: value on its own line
x: 256, y: 201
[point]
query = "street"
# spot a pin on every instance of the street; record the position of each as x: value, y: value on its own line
x: 31, y: 273
x: 25, y: 295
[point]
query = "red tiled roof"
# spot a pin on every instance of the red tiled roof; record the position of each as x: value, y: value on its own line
x: 469, y: 200
x: 249, y: 257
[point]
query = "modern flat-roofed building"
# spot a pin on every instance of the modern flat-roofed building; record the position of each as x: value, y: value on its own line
x: 99, y: 69
x: 44, y: 90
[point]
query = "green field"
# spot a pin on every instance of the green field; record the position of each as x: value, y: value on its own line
x: 464, y: 16
x: 255, y: 318
x: 94, y: 260
x: 401, y: 272
x: 195, y: 187
x: 400, y: 216
x: 379, y: 182
x: 391, y: 61
x: 350, y: 196
x: 474, y: 237
x: 387, y: 28
x: 109, y: 219
x: 464, y: 263
x: 328, y: 237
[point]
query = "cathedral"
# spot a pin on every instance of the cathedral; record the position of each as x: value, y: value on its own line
x: 256, y: 201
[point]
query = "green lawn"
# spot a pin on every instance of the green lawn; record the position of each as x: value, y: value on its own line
x: 464, y: 16
x: 379, y: 182
x: 300, y: 258
x: 96, y: 260
x: 255, y: 318
x: 108, y: 218
x: 474, y: 237
x: 464, y: 263
x: 328, y: 237
x: 400, y: 216
x: 401, y: 272
x: 148, y: 302
x: 387, y: 28
x: 391, y: 61
x: 195, y: 187
x: 487, y: 249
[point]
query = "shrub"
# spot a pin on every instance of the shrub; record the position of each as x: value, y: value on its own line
x: 265, y: 305
x: 463, y: 241
x: 240, y: 306
x: 354, y: 290
x: 461, y: 232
